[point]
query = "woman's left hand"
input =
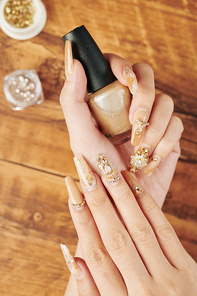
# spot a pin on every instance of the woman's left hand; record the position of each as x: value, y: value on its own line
x: 134, y: 252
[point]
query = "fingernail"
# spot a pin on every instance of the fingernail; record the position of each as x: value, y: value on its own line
x: 108, y: 170
x: 131, y: 80
x: 74, y: 193
x: 68, y: 60
x: 154, y: 162
x: 87, y: 178
x: 133, y: 184
x: 140, y: 119
x: 70, y: 261
x: 139, y: 159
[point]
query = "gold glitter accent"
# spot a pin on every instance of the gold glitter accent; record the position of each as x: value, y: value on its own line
x: 139, y: 125
x: 77, y: 206
x: 153, y: 158
x: 19, y: 14
x: 139, y: 160
x: 107, y: 169
x: 137, y: 190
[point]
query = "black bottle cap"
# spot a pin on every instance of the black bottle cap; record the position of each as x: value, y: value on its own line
x: 85, y: 49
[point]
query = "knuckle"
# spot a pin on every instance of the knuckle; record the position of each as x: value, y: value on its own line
x: 97, y: 202
x: 166, y: 233
x: 151, y: 207
x: 125, y: 196
x: 155, y: 131
x: 95, y: 256
x: 116, y: 240
x: 141, y: 233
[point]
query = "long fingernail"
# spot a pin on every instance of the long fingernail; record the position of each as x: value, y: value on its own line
x: 70, y: 261
x: 108, y: 170
x: 133, y: 184
x: 139, y: 159
x: 140, y: 119
x: 87, y: 178
x: 68, y: 60
x: 74, y: 193
x: 131, y: 80
x: 154, y: 162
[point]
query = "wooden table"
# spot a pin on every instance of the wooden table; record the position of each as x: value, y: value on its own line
x: 35, y: 154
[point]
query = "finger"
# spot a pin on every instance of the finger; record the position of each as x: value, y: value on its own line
x: 137, y: 226
x: 116, y: 239
x: 72, y: 99
x: 94, y: 252
x: 165, y: 146
x: 166, y: 236
x: 78, y: 268
x: 158, y: 123
x: 85, y: 284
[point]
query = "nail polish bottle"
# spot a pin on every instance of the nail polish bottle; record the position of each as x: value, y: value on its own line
x: 108, y: 100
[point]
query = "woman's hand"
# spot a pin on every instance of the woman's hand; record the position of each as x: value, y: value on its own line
x: 161, y: 136
x: 138, y: 254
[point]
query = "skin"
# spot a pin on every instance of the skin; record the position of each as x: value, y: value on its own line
x: 162, y: 136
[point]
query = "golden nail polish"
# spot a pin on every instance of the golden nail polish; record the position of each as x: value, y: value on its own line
x: 70, y: 261
x: 131, y: 80
x: 139, y: 159
x: 133, y: 184
x: 74, y: 193
x: 154, y: 162
x: 87, y: 178
x: 140, y: 119
x: 68, y: 60
x: 108, y: 100
x: 107, y: 169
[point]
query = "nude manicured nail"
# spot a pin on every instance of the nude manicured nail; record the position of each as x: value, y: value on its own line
x: 131, y: 80
x: 87, y: 178
x: 133, y: 184
x: 70, y: 261
x: 140, y: 159
x: 140, y: 119
x: 154, y: 162
x: 74, y: 193
x: 108, y: 170
x: 68, y: 60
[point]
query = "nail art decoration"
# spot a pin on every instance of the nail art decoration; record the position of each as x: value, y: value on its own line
x: 107, y: 169
x: 131, y: 80
x: 139, y: 159
x: 74, y: 193
x: 140, y: 118
x: 153, y: 163
x: 70, y: 261
x: 133, y: 184
x: 86, y: 176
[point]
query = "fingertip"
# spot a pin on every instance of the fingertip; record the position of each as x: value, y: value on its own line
x: 75, y: 86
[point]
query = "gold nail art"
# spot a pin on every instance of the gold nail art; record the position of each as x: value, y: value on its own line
x: 107, y: 169
x: 70, y: 261
x: 154, y: 162
x: 74, y: 193
x: 86, y: 176
x: 68, y: 60
x: 139, y: 159
x: 140, y: 118
x: 133, y: 184
x: 131, y: 80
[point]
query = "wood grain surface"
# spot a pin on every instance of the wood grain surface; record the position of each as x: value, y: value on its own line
x: 35, y: 154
